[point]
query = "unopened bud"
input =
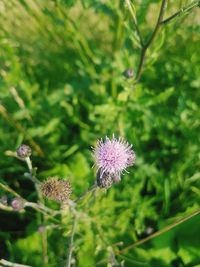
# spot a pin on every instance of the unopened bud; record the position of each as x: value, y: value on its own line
x: 17, y: 203
x: 104, y: 180
x: 128, y: 73
x: 41, y: 228
x: 24, y: 151
x: 4, y: 200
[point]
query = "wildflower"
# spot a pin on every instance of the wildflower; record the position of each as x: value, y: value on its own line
x: 56, y: 189
x: 17, y: 203
x: 113, y: 156
x: 24, y: 151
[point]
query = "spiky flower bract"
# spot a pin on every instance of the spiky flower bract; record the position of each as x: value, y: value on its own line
x: 104, y: 180
x: 113, y: 156
x: 56, y: 189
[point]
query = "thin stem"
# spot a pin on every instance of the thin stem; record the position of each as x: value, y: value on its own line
x: 164, y: 230
x: 182, y: 11
x: 135, y: 22
x: 6, y: 208
x: 150, y: 41
x: 158, y: 24
x: 31, y: 174
x: 36, y: 206
x: 71, y: 243
x: 29, y: 164
x: 10, y: 190
x: 41, y: 216
x: 12, y: 264
x: 91, y: 189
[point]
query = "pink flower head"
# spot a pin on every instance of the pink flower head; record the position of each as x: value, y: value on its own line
x: 113, y: 156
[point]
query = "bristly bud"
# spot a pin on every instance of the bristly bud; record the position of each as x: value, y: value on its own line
x: 104, y: 180
x: 56, y: 189
x: 128, y: 73
x: 24, y: 151
x: 17, y: 203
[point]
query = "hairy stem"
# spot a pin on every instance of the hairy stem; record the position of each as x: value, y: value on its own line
x: 71, y: 243
x: 42, y: 217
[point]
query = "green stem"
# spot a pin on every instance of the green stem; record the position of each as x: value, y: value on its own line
x: 135, y: 22
x: 71, y: 243
x: 42, y: 217
x: 150, y: 41
x: 162, y: 231
x: 90, y: 190
x: 182, y: 11
x: 12, y: 264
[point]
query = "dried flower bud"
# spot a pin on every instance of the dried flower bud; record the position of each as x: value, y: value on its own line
x: 4, y: 200
x: 24, y: 151
x: 104, y: 180
x: 128, y: 73
x: 17, y: 203
x: 56, y: 189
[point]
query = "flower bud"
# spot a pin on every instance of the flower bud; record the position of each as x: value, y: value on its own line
x: 104, y: 179
x: 24, y: 151
x: 41, y: 228
x: 17, y: 203
x: 128, y: 73
x: 4, y: 200
x: 56, y: 189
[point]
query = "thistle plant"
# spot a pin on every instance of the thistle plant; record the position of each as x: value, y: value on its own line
x: 124, y: 76
x: 112, y: 158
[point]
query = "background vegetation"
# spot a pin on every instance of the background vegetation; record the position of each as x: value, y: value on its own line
x: 62, y: 88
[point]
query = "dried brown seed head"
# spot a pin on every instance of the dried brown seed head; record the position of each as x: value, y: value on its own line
x: 56, y: 189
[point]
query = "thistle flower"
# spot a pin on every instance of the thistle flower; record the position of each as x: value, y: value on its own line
x: 24, y: 151
x: 113, y: 156
x: 56, y: 189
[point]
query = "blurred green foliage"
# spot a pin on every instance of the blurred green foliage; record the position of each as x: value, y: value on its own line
x: 62, y: 88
